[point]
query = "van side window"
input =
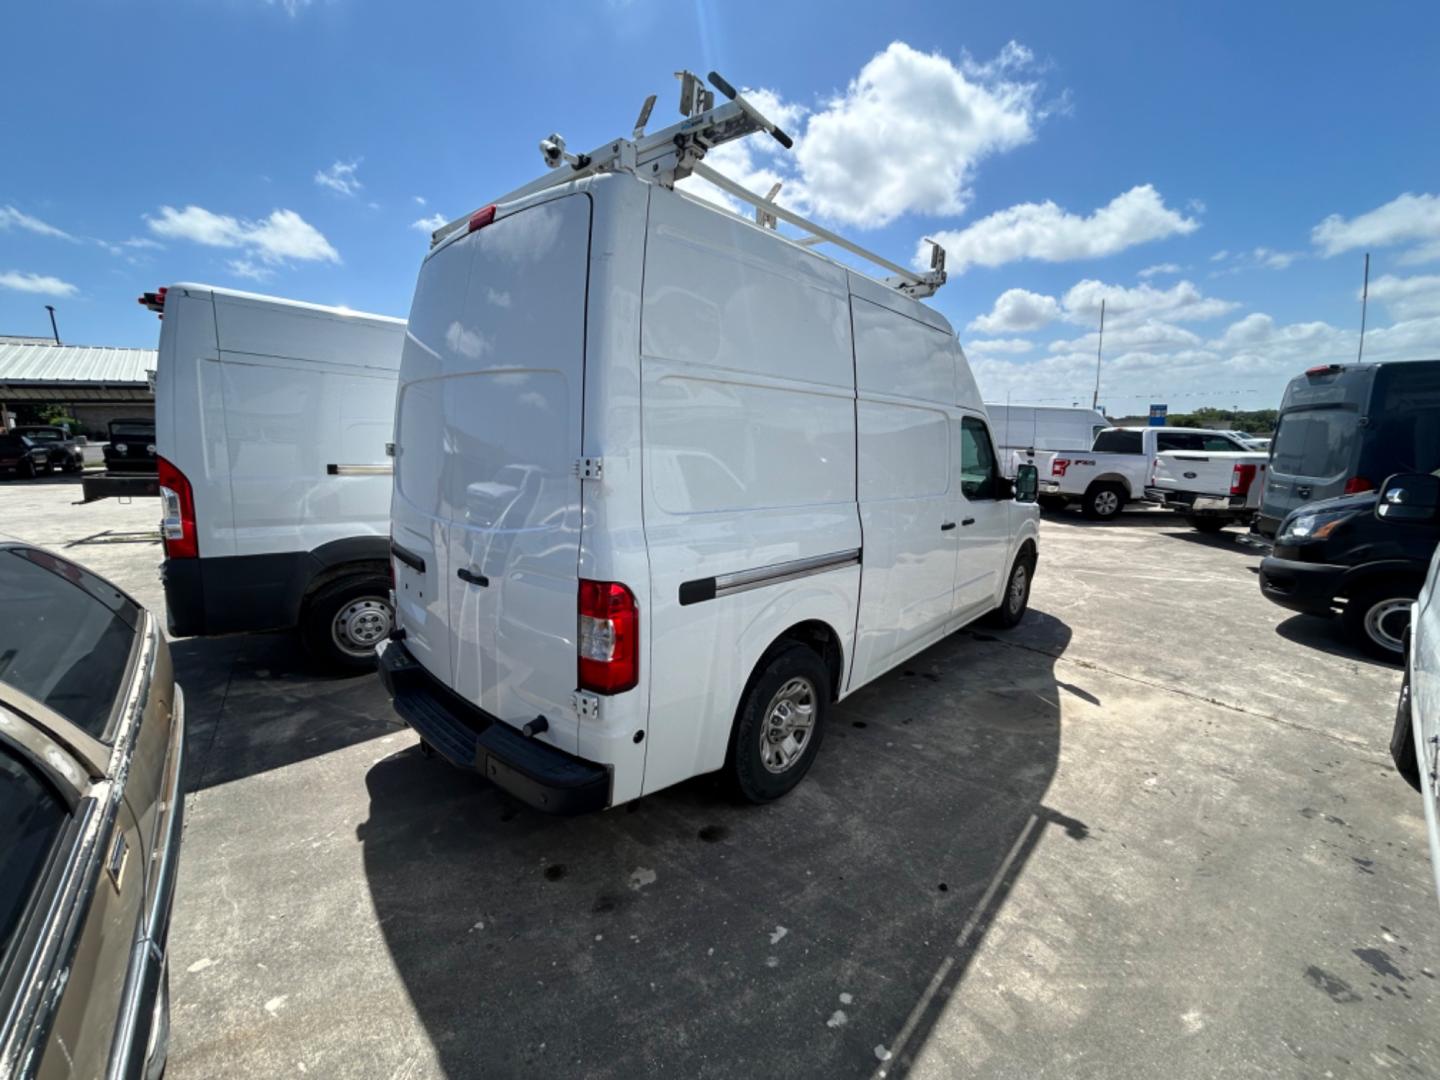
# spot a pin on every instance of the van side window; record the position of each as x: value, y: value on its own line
x: 977, y: 460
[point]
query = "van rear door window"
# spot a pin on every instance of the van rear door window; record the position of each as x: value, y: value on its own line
x: 1314, y: 442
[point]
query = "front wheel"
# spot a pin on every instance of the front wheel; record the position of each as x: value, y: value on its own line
x: 1017, y: 594
x: 780, y: 726
x: 1103, y: 502
x: 345, y: 620
x: 1402, y: 739
x: 1207, y: 524
x: 26, y: 469
x: 1376, y: 619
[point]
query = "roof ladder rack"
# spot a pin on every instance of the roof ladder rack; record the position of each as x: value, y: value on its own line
x: 675, y: 152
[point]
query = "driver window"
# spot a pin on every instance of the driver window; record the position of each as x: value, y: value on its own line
x: 978, y: 475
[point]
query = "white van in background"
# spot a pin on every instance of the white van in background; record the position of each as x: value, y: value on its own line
x: 668, y: 484
x: 272, y: 418
x: 1021, y: 430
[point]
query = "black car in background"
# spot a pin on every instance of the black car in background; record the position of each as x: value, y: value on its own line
x: 21, y: 456
x: 132, y: 447
x: 64, y: 449
x: 1360, y: 556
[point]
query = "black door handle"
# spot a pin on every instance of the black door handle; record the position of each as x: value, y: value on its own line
x: 471, y: 577
x: 947, y: 526
x: 968, y: 521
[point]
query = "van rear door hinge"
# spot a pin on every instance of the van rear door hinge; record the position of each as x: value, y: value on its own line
x: 587, y: 705
x: 590, y: 468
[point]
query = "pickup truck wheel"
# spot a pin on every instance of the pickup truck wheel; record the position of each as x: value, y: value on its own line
x: 49, y: 468
x: 1207, y: 524
x: 1053, y: 503
x: 780, y: 726
x: 1017, y: 595
x: 1402, y: 739
x: 1377, y: 617
x: 1103, y: 501
x: 26, y: 469
x: 73, y: 467
x: 345, y: 620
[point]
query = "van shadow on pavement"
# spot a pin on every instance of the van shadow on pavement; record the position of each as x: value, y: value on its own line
x: 282, y: 711
x: 684, y: 935
x: 1328, y: 635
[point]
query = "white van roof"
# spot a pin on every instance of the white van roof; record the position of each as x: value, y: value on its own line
x: 194, y: 289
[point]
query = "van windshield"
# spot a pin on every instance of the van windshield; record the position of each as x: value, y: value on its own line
x: 1314, y: 442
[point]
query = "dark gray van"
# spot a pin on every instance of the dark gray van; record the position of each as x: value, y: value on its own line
x: 1345, y: 427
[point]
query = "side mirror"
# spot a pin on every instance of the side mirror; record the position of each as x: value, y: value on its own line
x: 1027, y: 483
x: 1409, y: 497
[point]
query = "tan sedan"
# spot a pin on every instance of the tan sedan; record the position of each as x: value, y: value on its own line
x: 91, y: 800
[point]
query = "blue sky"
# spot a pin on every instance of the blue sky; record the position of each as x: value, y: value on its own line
x: 1065, y: 153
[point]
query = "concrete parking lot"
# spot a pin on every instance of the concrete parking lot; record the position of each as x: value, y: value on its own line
x: 1153, y: 831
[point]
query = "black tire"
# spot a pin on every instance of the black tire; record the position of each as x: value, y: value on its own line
x: 1207, y: 524
x: 344, y: 620
x: 747, y: 771
x: 73, y: 467
x: 1377, y: 617
x: 1052, y: 503
x: 1402, y: 739
x: 1017, y: 594
x: 26, y: 469
x: 1103, y: 502
x: 49, y: 468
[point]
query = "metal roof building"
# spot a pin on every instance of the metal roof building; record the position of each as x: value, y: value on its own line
x: 37, y: 369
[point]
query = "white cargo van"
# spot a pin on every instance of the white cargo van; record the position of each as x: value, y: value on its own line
x: 1021, y: 430
x: 667, y: 484
x: 272, y: 418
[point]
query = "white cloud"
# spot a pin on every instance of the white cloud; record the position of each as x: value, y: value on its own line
x: 1408, y: 297
x: 10, y: 218
x: 292, y: 7
x: 1017, y: 310
x: 1274, y: 260
x: 428, y: 225
x: 282, y: 236
x: 1160, y: 268
x: 1182, y: 302
x: 1221, y: 255
x: 1263, y: 258
x: 248, y: 268
x: 340, y: 177
x: 419, y: 200
x: 1409, y: 221
x: 36, y: 283
x: 1003, y: 346
x: 1151, y: 334
x: 905, y: 136
x: 1045, y: 231
x: 142, y: 242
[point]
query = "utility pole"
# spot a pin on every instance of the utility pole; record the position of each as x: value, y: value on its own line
x: 53, y: 328
x: 1095, y: 401
x: 1364, y: 302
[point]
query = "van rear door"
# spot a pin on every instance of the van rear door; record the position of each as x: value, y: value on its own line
x: 1312, y: 457
x: 492, y: 389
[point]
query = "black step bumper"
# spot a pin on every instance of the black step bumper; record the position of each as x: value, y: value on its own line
x: 536, y: 773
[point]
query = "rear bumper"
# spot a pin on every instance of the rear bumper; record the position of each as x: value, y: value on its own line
x: 1192, y: 502
x: 1267, y: 526
x: 1050, y: 487
x: 1301, y: 586
x: 534, y: 772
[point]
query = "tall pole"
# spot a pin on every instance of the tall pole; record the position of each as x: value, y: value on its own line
x: 53, y: 328
x: 1095, y: 401
x: 1364, y: 302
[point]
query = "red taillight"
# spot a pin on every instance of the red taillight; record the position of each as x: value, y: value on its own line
x: 1058, y: 466
x: 177, y: 527
x: 1241, y: 479
x: 482, y: 217
x: 609, y: 644
x: 1322, y: 369
x: 1356, y: 484
x: 155, y: 301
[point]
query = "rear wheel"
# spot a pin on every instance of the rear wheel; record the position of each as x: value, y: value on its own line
x: 1207, y: 524
x: 345, y: 620
x: 1103, y: 502
x: 1377, y: 617
x: 780, y: 725
x: 1402, y: 739
x: 26, y: 469
x: 1017, y: 594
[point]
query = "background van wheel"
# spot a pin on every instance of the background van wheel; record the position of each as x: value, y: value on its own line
x: 780, y: 725
x: 1207, y: 524
x: 1051, y: 503
x: 1377, y: 617
x: 1103, y: 502
x: 1017, y: 594
x: 345, y: 620
x: 1402, y: 739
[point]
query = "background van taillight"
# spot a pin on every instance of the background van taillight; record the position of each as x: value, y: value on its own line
x: 1241, y: 479
x: 177, y: 527
x: 1356, y: 484
x: 609, y: 645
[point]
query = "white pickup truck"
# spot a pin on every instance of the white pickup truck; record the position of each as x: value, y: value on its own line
x: 1212, y: 489
x: 1117, y: 469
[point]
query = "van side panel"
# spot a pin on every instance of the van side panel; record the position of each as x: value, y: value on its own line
x: 749, y: 459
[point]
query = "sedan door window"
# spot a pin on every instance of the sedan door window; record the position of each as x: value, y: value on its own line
x: 33, y: 815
